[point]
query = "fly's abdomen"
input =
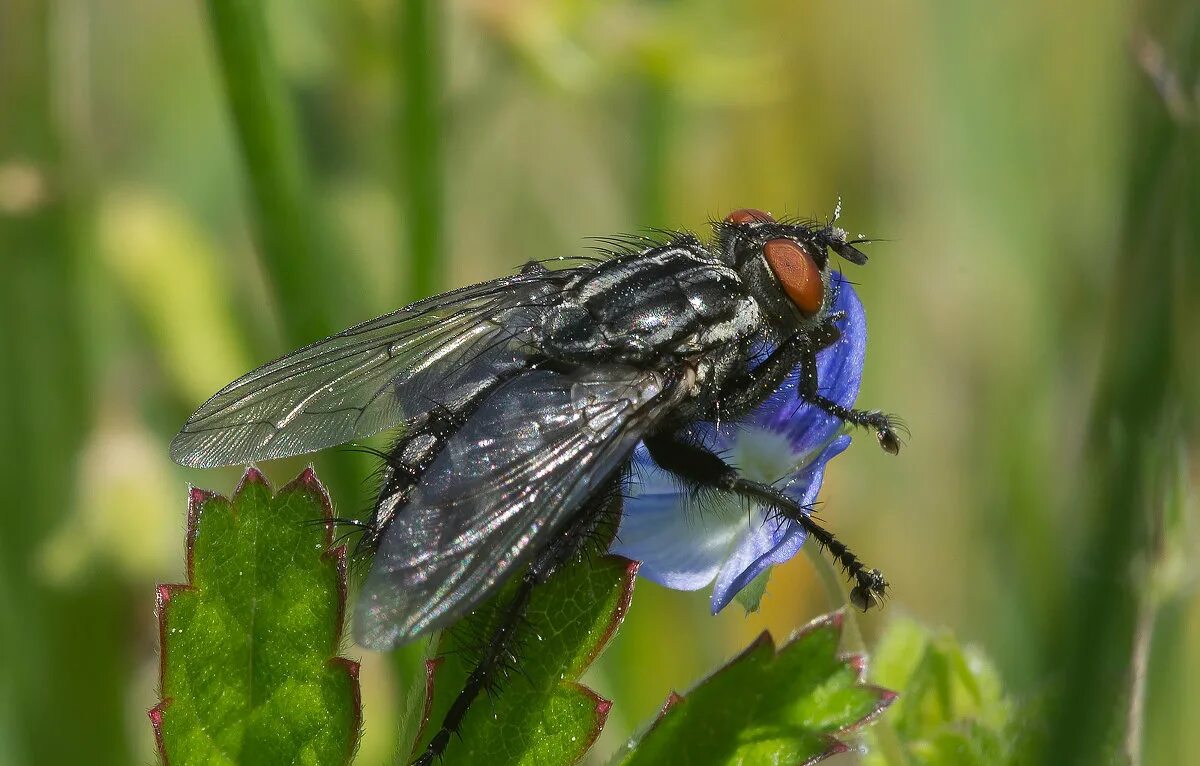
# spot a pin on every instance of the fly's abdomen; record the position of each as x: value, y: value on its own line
x: 666, y: 302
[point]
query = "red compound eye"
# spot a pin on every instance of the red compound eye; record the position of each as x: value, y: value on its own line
x: 748, y: 215
x: 797, y: 272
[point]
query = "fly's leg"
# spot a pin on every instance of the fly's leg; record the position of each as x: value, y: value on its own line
x: 501, y: 648
x: 748, y: 390
x: 702, y: 468
x: 884, y: 425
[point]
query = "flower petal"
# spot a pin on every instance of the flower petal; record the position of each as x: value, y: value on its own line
x: 804, y: 486
x: 678, y: 547
x: 770, y: 542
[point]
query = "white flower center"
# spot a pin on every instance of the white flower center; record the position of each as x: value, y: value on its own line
x: 763, y: 455
x: 759, y: 455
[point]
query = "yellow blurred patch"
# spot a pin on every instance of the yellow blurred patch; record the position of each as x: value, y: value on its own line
x: 168, y: 271
x: 127, y: 514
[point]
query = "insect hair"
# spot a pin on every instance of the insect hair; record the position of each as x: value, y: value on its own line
x: 626, y: 245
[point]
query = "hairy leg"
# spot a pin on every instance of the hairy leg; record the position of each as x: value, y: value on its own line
x: 700, y: 467
x: 884, y: 425
x: 750, y: 388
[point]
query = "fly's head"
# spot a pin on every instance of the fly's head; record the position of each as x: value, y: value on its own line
x: 786, y: 264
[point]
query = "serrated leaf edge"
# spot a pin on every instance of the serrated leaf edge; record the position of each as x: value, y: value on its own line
x: 198, y: 498
x: 603, y: 706
x: 857, y: 662
x: 431, y: 667
x: 628, y: 581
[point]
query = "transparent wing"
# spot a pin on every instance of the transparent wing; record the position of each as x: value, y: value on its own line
x: 503, y: 485
x: 371, y: 377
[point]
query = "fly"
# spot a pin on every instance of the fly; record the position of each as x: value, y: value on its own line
x: 519, y: 402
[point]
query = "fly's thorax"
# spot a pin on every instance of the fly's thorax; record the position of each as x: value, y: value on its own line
x: 670, y: 301
x: 707, y: 375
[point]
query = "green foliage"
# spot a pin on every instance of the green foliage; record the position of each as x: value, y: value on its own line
x: 951, y: 709
x: 767, y: 706
x: 419, y: 143
x: 250, y: 672
x: 310, y: 283
x: 1146, y: 382
x: 542, y: 715
x: 1029, y: 250
x: 303, y: 274
x: 750, y: 597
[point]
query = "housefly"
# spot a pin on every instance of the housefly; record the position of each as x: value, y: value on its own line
x: 519, y: 403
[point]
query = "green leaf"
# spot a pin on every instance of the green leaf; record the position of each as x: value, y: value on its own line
x: 542, y: 716
x: 767, y: 706
x: 952, y: 708
x: 750, y: 597
x: 249, y: 665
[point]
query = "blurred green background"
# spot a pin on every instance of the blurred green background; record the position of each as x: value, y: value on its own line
x: 189, y: 189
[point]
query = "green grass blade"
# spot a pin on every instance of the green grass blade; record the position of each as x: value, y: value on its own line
x: 309, y: 283
x: 420, y: 144
x: 64, y: 647
x: 306, y: 282
x: 1143, y: 378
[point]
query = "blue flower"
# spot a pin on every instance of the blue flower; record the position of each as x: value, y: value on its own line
x: 784, y: 440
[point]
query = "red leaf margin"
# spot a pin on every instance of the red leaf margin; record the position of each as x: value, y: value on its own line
x: 857, y: 662
x: 603, y: 706
x: 198, y: 498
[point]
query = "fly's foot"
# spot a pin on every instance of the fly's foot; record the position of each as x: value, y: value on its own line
x: 870, y: 590
x: 888, y: 429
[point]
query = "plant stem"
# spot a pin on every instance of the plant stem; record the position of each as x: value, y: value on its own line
x: 420, y: 144
x: 835, y: 591
x: 419, y: 149
x: 1139, y: 666
x: 309, y: 286
x: 655, y: 116
x: 1164, y: 509
x: 1153, y: 282
x: 852, y: 640
x: 306, y: 284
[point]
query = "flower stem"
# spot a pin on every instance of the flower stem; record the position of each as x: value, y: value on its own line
x: 835, y: 590
x: 884, y: 734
